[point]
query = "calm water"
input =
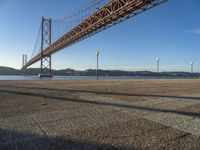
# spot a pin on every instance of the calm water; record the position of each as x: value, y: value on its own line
x: 90, y: 77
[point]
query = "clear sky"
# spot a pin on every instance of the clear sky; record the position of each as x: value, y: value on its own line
x: 170, y: 31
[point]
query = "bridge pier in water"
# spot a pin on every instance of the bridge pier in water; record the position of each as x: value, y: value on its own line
x: 45, y: 69
x: 45, y: 65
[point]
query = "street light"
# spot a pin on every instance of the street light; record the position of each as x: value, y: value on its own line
x: 97, y: 71
x: 191, y: 63
x: 157, y: 62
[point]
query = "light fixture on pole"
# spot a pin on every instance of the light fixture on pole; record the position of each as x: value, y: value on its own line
x: 97, y: 70
x: 158, y: 63
x: 191, y: 63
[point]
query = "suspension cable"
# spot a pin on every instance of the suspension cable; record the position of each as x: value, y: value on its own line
x: 87, y: 7
x: 35, y: 46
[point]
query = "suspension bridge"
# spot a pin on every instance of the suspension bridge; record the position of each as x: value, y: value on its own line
x: 57, y: 34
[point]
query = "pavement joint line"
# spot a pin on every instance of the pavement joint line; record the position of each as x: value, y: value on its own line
x: 40, y: 127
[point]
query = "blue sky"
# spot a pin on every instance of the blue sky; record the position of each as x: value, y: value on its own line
x: 170, y: 31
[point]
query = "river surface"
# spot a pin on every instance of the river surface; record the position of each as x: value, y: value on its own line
x: 92, y: 77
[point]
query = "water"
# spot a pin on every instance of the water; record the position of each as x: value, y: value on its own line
x: 93, y: 77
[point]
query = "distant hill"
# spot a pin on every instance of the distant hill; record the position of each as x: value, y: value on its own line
x: 8, y: 71
x: 92, y: 72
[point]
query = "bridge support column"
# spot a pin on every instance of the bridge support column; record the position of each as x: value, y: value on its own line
x: 45, y: 66
x: 45, y: 70
x: 24, y: 60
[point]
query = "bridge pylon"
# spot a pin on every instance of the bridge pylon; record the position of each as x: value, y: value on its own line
x: 24, y: 60
x: 45, y: 65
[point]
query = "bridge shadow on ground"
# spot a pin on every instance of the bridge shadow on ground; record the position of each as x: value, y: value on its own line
x: 109, y: 93
x: 101, y: 103
x: 15, y: 140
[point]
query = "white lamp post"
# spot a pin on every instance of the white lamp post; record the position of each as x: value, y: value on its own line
x: 158, y: 63
x: 191, y: 63
x: 97, y: 71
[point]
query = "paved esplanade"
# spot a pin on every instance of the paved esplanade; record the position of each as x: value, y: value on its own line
x: 91, y: 115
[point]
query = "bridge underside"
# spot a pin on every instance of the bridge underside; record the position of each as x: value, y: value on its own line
x: 111, y: 14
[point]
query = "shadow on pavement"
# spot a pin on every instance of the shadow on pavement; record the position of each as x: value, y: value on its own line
x: 127, y: 106
x: 109, y: 93
x: 14, y: 140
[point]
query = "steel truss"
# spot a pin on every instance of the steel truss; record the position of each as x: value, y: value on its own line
x: 111, y: 14
x: 45, y: 66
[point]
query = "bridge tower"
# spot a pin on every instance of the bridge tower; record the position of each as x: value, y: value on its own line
x: 45, y: 66
x: 24, y: 60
